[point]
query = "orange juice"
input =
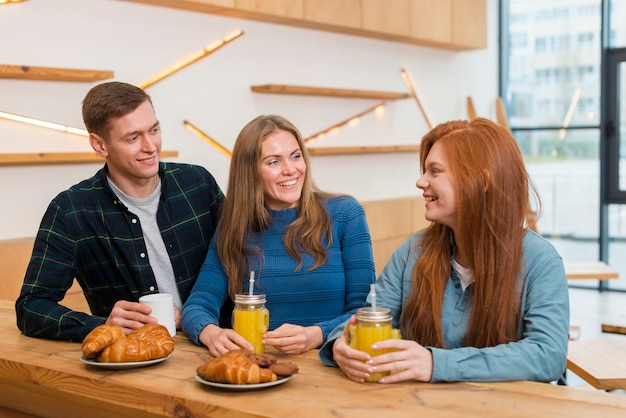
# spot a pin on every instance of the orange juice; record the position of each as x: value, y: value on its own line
x: 372, y: 326
x: 251, y: 319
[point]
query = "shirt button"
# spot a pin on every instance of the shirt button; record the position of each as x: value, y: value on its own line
x: 142, y: 255
x: 457, y: 285
x: 152, y: 288
x: 134, y: 221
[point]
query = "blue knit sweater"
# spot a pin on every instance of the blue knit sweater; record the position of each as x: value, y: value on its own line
x: 326, y: 296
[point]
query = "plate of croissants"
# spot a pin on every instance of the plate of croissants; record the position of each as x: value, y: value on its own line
x: 242, y: 370
x: 107, y: 346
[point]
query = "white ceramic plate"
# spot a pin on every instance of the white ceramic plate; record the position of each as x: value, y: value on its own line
x: 124, y: 365
x: 252, y: 386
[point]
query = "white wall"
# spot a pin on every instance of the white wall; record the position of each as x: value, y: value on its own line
x: 138, y: 41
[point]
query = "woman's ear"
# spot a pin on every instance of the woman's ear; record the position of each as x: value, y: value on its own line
x: 98, y: 145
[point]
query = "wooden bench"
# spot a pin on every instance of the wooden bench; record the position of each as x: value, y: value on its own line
x: 590, y: 270
x: 616, y: 327
x: 14, y: 257
x: 390, y: 221
x: 602, y: 364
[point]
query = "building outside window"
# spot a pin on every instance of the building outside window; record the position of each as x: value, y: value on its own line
x: 551, y: 78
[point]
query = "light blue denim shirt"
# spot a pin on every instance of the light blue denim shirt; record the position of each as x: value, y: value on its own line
x: 538, y: 355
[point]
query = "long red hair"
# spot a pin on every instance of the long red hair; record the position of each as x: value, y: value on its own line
x: 492, y: 190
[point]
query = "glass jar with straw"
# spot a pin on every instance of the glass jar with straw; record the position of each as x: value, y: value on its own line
x: 373, y: 325
x: 251, y: 317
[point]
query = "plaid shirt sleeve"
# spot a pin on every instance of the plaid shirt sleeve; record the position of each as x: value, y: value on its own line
x: 87, y: 234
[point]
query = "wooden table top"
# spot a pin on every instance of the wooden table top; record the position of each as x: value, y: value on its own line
x: 602, y: 364
x: 46, y: 378
x: 590, y: 270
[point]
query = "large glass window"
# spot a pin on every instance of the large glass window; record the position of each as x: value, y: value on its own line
x: 551, y: 85
x: 617, y: 24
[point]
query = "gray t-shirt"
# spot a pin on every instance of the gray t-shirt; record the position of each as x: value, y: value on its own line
x: 159, y: 259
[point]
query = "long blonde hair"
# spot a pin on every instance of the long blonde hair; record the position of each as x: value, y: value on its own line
x: 244, y: 209
x: 492, y: 190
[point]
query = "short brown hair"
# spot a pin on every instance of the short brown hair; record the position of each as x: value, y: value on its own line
x: 110, y: 100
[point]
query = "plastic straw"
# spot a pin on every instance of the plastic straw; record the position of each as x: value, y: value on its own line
x: 373, y: 296
x: 251, y: 290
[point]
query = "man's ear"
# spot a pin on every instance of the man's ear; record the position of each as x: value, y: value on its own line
x: 98, y: 145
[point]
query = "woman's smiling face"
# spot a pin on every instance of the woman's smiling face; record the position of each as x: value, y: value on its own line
x: 282, y: 170
x: 437, y: 183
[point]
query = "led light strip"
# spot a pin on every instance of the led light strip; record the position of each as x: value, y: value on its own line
x: 350, y: 121
x: 207, y: 138
x: 409, y: 83
x: 44, y: 124
x: 190, y: 60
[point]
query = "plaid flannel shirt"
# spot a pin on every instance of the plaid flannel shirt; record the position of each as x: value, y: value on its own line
x: 88, y: 234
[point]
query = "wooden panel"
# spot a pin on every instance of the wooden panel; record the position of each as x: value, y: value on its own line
x: 203, y: 6
x: 47, y: 158
x: 293, y: 9
x: 469, y: 23
x: 345, y: 13
x: 14, y: 257
x: 391, y: 17
x: 390, y: 21
x: 383, y: 249
x: 388, y: 218
x: 329, y: 92
x: 431, y: 19
x: 391, y: 222
x: 55, y: 74
x: 220, y: 3
x: 418, y: 213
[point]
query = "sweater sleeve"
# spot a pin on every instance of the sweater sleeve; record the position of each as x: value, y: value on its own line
x: 207, y: 296
x: 358, y: 260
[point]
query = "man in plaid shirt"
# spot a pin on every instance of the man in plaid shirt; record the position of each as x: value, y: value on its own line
x: 138, y: 226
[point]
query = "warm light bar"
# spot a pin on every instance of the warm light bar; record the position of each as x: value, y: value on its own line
x: 190, y: 60
x: 570, y: 113
x: 409, y: 83
x: 10, y: 1
x: 207, y: 138
x: 350, y: 121
x: 44, y: 124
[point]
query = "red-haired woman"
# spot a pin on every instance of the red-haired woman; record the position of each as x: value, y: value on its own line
x: 477, y: 295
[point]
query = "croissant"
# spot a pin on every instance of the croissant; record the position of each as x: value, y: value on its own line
x: 236, y: 368
x: 99, y: 338
x: 108, y: 343
x: 151, y: 341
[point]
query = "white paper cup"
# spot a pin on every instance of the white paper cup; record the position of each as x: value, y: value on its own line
x: 162, y: 305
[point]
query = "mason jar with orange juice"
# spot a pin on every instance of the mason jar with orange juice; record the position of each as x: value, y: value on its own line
x: 373, y: 325
x: 251, y: 319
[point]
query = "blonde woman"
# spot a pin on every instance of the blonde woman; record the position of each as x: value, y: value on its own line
x: 310, y: 250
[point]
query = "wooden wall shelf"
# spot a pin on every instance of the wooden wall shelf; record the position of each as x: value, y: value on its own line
x: 384, y: 149
x: 51, y: 158
x: 55, y: 74
x: 451, y: 24
x: 332, y: 92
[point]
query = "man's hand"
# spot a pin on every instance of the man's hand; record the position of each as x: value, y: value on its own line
x: 131, y: 315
